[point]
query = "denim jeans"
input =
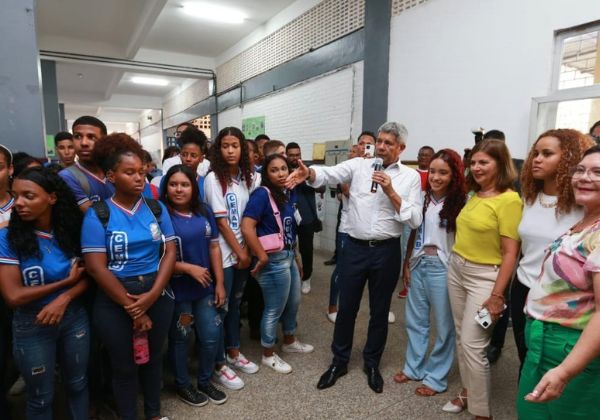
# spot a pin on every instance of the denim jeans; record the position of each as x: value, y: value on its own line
x: 334, y: 288
x: 235, y: 281
x: 37, y: 349
x: 280, y: 284
x: 428, y: 292
x: 115, y: 328
x: 199, y: 316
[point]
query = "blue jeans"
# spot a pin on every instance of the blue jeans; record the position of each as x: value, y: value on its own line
x: 280, y: 284
x: 206, y: 321
x: 429, y: 291
x: 37, y: 349
x: 334, y: 288
x: 235, y: 281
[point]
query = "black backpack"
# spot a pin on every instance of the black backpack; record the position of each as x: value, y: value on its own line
x: 103, y: 211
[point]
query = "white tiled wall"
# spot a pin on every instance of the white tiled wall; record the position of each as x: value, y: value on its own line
x: 327, y: 21
x: 319, y: 110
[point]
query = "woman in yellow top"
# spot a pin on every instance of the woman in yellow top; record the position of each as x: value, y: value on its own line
x: 481, y: 266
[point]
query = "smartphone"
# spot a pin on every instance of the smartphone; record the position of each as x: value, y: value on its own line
x: 370, y: 150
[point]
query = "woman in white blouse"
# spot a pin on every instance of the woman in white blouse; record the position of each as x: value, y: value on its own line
x: 549, y: 211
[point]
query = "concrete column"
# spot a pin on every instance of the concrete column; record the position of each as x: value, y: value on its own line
x: 376, y: 63
x: 21, y: 114
x: 50, y: 96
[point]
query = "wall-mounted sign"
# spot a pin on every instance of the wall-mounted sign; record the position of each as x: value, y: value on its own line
x: 253, y: 126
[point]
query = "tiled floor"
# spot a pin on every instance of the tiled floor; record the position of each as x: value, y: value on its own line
x: 270, y: 395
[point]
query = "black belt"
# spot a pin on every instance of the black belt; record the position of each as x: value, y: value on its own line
x: 374, y: 242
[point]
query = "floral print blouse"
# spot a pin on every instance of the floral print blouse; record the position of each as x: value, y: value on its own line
x: 563, y: 292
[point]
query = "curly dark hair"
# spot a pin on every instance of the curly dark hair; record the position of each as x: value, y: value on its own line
x: 456, y: 196
x: 221, y: 168
x: 279, y: 195
x: 197, y: 206
x: 109, y: 150
x: 66, y: 217
x: 572, y: 146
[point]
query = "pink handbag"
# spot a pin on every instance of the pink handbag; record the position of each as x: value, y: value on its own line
x: 273, y: 242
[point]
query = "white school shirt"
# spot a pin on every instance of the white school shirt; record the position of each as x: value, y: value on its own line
x: 431, y: 234
x: 372, y: 216
x: 230, y: 204
x: 202, y: 169
x: 539, y: 227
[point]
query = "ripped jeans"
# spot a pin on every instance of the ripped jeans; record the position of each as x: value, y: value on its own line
x: 37, y: 349
x: 203, y: 317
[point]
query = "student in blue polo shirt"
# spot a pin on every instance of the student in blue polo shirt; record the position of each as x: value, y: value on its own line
x: 6, y: 204
x: 197, y: 285
x: 276, y: 272
x: 42, y: 280
x: 86, y: 178
x: 127, y: 243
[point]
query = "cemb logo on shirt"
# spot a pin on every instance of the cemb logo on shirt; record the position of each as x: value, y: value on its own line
x: 287, y: 226
x: 118, y: 250
x: 155, y: 231
x: 33, y: 276
x: 234, y: 215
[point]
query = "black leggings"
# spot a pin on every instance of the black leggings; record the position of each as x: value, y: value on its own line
x: 115, y: 328
x: 518, y: 297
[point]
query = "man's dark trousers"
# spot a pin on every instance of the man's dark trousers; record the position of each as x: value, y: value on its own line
x: 380, y: 267
x: 306, y: 235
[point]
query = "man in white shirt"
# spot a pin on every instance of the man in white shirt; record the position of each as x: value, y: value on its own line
x: 374, y: 225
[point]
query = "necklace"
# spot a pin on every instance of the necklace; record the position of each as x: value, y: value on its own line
x: 547, y: 205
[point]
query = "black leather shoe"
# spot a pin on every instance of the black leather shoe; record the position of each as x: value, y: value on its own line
x: 330, y: 377
x: 374, y: 379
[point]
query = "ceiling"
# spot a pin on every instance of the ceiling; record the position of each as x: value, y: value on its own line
x: 156, y: 30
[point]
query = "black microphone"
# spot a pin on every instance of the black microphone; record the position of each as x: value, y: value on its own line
x: 377, y: 166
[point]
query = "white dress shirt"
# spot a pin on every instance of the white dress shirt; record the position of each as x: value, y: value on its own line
x: 372, y: 216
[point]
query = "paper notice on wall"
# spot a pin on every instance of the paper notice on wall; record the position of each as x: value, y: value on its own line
x: 318, y: 151
x: 253, y: 126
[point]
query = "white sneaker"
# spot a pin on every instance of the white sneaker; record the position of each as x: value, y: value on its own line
x: 306, y: 287
x: 391, y: 318
x: 18, y: 387
x: 243, y: 364
x: 276, y: 363
x: 332, y: 317
x: 297, y: 347
x: 228, y: 378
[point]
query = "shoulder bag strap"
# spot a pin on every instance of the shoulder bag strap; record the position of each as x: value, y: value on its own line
x: 276, y: 212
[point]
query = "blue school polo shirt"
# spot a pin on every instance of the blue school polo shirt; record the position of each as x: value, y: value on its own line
x: 52, y: 266
x: 259, y: 209
x: 193, y: 236
x: 199, y: 180
x: 100, y: 189
x: 131, y: 240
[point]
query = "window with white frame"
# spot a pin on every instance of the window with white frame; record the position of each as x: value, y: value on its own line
x: 575, y: 98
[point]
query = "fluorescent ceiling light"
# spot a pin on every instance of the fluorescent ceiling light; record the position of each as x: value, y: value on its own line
x: 214, y: 12
x: 149, y: 81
